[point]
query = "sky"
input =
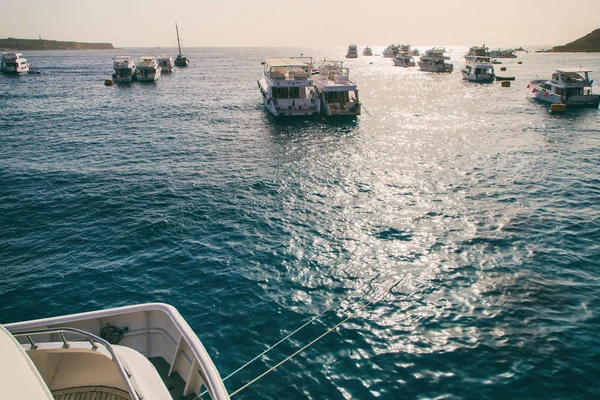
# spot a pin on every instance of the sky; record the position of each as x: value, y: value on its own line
x: 304, y: 23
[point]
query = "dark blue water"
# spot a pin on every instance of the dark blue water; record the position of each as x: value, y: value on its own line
x: 187, y: 192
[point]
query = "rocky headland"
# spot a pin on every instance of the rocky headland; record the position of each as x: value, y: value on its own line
x: 588, y: 43
x: 43, y: 44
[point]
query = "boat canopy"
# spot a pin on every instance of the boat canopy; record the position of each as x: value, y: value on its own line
x: 11, y: 56
x: 19, y: 377
x: 285, y: 62
x: 577, y: 70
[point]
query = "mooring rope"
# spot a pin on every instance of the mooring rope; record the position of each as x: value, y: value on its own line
x: 337, y: 303
x: 300, y: 328
x: 376, y: 299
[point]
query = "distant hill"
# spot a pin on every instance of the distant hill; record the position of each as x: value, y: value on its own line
x: 43, y: 44
x: 588, y: 43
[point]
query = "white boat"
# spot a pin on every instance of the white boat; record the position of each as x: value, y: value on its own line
x: 477, y: 51
x: 434, y: 60
x: 145, y: 351
x: 352, y: 51
x: 180, y: 60
x: 14, y: 63
x: 478, y: 69
x: 338, y: 94
x: 404, y: 59
x: 570, y: 86
x: 148, y: 69
x: 391, y: 51
x: 367, y: 51
x: 506, y: 53
x: 166, y: 64
x: 404, y: 48
x: 287, y: 87
x: 124, y: 69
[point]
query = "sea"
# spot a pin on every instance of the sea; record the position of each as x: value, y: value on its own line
x: 449, y: 236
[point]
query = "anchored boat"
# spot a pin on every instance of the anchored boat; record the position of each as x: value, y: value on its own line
x: 435, y: 60
x: 180, y: 60
x: 146, y: 351
x: 166, y: 64
x: 404, y: 59
x: 570, y: 86
x: 391, y: 50
x: 287, y: 87
x: 124, y: 69
x: 478, y: 69
x: 148, y: 69
x: 352, y: 51
x: 367, y: 51
x: 14, y: 63
x: 338, y: 94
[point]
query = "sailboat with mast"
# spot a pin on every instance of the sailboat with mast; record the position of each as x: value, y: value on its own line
x: 180, y: 60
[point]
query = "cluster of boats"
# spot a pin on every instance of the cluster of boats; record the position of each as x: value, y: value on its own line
x: 149, y: 68
x: 296, y: 86
x: 293, y: 86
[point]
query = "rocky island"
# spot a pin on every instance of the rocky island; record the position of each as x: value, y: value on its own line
x: 588, y: 43
x: 43, y: 44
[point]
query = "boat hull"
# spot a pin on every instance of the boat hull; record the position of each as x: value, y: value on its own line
x: 288, y: 107
x: 486, y: 78
x: 436, y: 68
x: 403, y: 63
x: 15, y: 70
x: 334, y: 110
x: 124, y: 77
x: 148, y: 75
x: 583, y: 100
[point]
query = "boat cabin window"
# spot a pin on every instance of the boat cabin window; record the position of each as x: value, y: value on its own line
x: 574, y: 91
x: 571, y: 77
x: 336, y: 96
x: 286, y: 93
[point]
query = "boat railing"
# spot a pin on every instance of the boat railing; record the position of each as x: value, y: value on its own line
x: 93, y: 341
x: 188, y: 348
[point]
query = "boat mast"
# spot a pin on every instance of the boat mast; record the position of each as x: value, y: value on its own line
x: 178, y: 45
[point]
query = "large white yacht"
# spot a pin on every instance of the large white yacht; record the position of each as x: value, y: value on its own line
x: 148, y: 69
x: 477, y: 51
x: 404, y: 59
x: 142, y: 352
x: 391, y: 51
x: 352, y: 51
x: 570, y: 86
x: 287, y: 87
x: 166, y: 64
x: 434, y: 60
x: 124, y: 69
x: 14, y: 63
x: 478, y: 68
x: 338, y: 94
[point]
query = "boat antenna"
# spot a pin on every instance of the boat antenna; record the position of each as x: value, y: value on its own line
x: 178, y: 45
x: 328, y: 331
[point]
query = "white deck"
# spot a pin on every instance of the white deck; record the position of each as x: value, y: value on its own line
x: 19, y: 377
